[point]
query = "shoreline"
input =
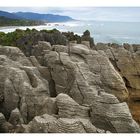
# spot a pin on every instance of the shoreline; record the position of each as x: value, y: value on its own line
x: 72, y: 27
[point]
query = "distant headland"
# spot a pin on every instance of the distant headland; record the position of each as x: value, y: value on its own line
x: 30, y: 18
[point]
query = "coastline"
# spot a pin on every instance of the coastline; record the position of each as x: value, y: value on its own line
x: 100, y: 31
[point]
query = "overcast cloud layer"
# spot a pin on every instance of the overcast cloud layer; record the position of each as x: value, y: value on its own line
x: 86, y: 13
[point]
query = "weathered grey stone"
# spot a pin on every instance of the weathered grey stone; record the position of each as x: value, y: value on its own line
x: 6, y: 127
x: 86, y: 71
x: 45, y: 72
x: 38, y: 50
x: 65, y: 125
x: 85, y: 75
x: 89, y: 80
x: 42, y: 124
x: 15, y: 117
x: 60, y: 48
x: 21, y: 85
x: 112, y: 116
x: 15, y: 54
x: 88, y: 126
x: 125, y: 60
x: 34, y: 61
x: 50, y: 124
x: 50, y: 106
x: 68, y: 108
x: 2, y: 119
x: 25, y: 128
x: 86, y: 43
x: 79, y: 49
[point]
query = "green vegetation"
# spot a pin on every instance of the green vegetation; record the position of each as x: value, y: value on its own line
x: 18, y: 22
x: 25, y: 39
x: 72, y: 37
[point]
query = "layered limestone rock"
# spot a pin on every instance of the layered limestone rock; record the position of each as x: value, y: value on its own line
x: 5, y: 126
x: 63, y: 89
x: 111, y: 114
x: 21, y: 85
x: 82, y: 72
x: 126, y: 61
x: 15, y: 54
x: 38, y: 50
x: 68, y: 108
x: 15, y: 117
x: 50, y: 124
x: 2, y: 119
x: 106, y: 113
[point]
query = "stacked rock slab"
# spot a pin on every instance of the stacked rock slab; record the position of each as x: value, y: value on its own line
x: 68, y: 108
x: 63, y: 89
x: 5, y: 126
x: 15, y: 117
x: 71, y: 118
x: 50, y: 124
x: 21, y: 85
x: 84, y: 74
x: 111, y: 114
x: 126, y: 61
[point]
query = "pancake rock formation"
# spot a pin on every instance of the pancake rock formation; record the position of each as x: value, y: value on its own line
x: 70, y: 89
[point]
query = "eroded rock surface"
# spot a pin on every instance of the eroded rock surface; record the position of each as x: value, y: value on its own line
x: 21, y: 85
x: 68, y: 108
x: 50, y: 124
x: 125, y: 60
x: 67, y: 89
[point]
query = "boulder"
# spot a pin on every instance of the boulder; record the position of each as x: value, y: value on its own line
x: 34, y: 61
x: 2, y: 119
x: 15, y: 117
x: 86, y: 37
x: 50, y: 124
x: 15, y: 54
x: 69, y: 89
x: 125, y: 60
x: 38, y: 50
x: 42, y: 124
x: 5, y: 126
x: 60, y: 48
x: 68, y: 108
x: 83, y: 72
x: 65, y: 125
x: 21, y: 85
x: 110, y: 115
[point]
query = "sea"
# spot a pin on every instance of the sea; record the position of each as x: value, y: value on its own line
x: 101, y: 31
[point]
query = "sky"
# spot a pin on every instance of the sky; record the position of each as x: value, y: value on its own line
x: 128, y: 14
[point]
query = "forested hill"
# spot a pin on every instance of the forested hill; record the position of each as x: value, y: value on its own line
x: 44, y: 17
x: 29, y: 18
x: 4, y: 21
